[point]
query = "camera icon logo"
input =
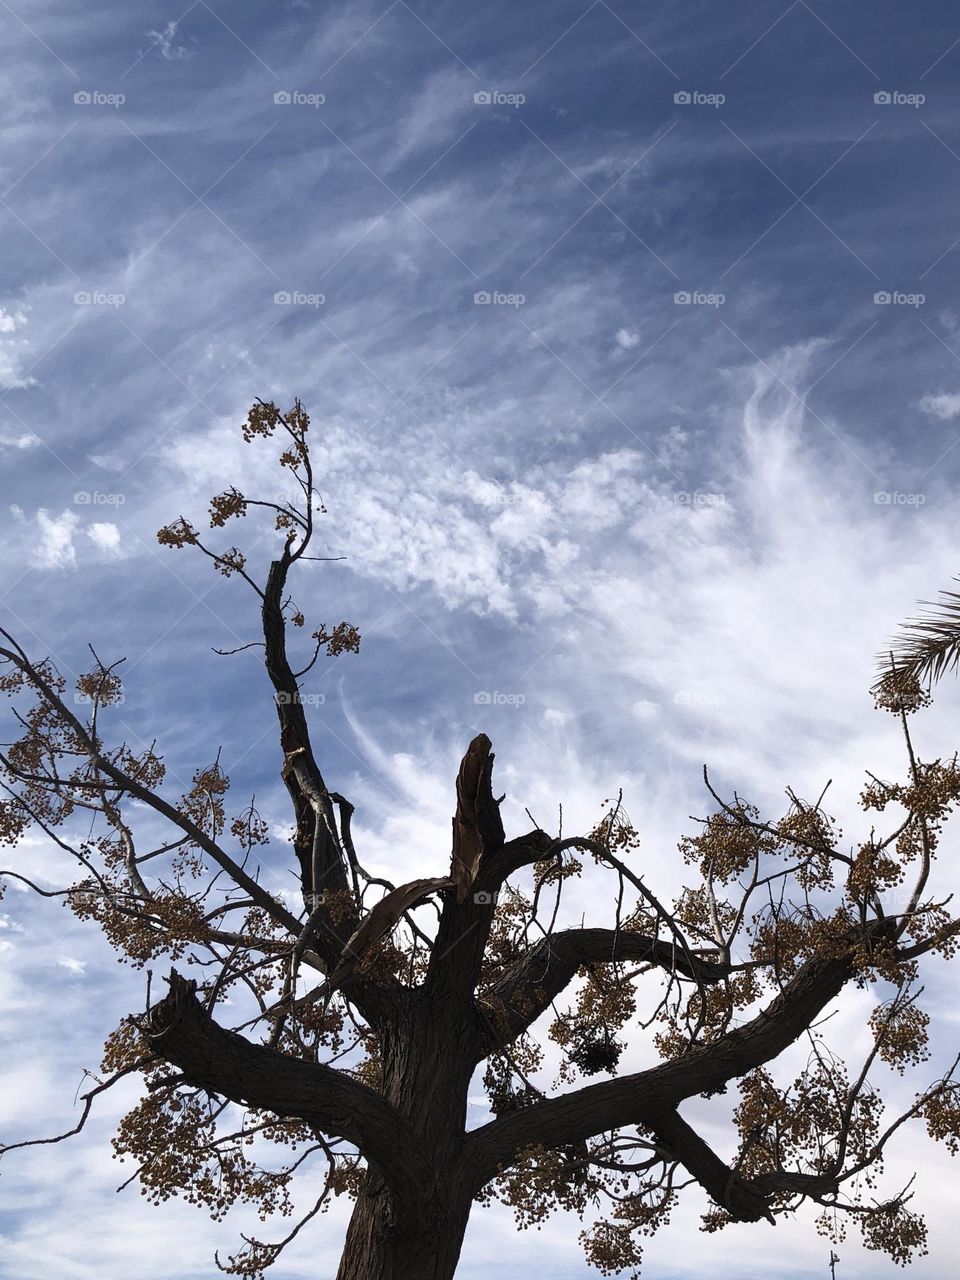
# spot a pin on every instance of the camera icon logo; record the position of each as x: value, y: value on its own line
x: 484, y: 899
x: 483, y: 98
x: 282, y: 298
x: 482, y: 298
x: 81, y: 497
x: 282, y: 98
x: 882, y: 98
x: 882, y: 298
x: 482, y: 699
x: 82, y: 98
x: 682, y: 98
x: 682, y: 298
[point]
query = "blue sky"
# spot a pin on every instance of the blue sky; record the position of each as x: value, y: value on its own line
x: 666, y: 491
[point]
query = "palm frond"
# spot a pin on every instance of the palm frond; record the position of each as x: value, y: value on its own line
x: 928, y: 647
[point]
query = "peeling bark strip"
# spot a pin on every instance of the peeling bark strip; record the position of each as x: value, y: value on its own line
x: 322, y: 863
x: 380, y: 921
x: 224, y: 1063
x: 476, y: 826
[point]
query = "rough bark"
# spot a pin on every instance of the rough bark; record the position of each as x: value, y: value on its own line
x: 383, y: 1243
x: 429, y: 1055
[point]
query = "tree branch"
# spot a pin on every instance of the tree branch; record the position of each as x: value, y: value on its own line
x: 639, y: 1099
x: 467, y: 914
x: 534, y: 981
x: 181, y: 1031
x: 125, y: 783
x: 743, y: 1200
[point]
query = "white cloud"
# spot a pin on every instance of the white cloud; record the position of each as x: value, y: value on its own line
x: 72, y: 965
x: 10, y: 348
x: 945, y: 406
x: 10, y: 378
x: 25, y: 440
x: 627, y: 340
x: 438, y: 110
x: 108, y: 461
x: 106, y: 536
x: 11, y: 320
x: 165, y: 41
x: 55, y: 549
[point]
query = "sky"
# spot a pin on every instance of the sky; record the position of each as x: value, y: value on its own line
x: 630, y: 338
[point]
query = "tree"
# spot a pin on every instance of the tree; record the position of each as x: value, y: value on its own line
x: 362, y: 1012
x: 929, y: 646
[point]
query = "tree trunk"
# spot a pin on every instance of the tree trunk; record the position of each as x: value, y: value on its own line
x: 428, y: 1058
x: 382, y: 1245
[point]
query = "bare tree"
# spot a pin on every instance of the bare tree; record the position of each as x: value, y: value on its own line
x: 362, y: 1011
